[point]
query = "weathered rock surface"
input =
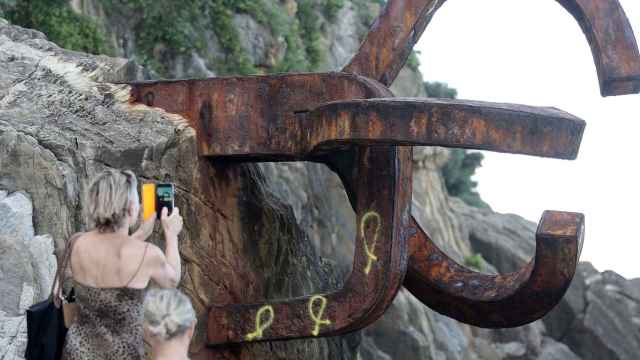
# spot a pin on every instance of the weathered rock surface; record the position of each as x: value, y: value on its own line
x: 599, y: 318
x: 27, y: 268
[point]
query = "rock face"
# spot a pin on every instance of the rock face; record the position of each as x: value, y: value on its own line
x: 269, y: 230
x: 599, y: 318
x: 27, y: 268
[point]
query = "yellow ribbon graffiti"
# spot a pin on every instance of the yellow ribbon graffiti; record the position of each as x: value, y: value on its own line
x: 370, y: 248
x: 317, y: 318
x: 260, y: 326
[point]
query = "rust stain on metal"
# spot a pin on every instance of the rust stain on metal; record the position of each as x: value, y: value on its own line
x: 504, y: 300
x: 351, y: 122
x: 369, y: 289
x: 614, y: 48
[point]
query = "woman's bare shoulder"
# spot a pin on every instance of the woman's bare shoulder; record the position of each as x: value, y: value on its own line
x: 148, y: 249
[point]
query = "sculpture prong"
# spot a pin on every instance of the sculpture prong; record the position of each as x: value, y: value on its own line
x: 510, y: 128
x: 495, y: 301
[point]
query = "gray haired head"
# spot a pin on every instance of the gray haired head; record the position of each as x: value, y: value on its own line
x: 167, y: 313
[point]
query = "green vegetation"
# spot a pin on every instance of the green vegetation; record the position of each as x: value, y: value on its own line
x: 6, y: 5
x: 59, y: 23
x: 236, y: 60
x: 440, y: 90
x: 187, y: 19
x: 475, y: 261
x: 457, y: 173
x: 365, y: 12
x: 413, y: 62
x: 331, y: 8
x: 462, y: 165
x: 310, y: 33
x: 165, y: 29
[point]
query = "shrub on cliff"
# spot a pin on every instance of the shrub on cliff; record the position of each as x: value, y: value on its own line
x: 462, y: 164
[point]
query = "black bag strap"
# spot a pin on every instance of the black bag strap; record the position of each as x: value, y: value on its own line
x: 60, y: 272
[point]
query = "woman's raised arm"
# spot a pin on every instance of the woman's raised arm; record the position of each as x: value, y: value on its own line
x: 166, y: 269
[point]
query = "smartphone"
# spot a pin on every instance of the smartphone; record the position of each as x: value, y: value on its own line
x: 155, y: 197
x: 164, y: 198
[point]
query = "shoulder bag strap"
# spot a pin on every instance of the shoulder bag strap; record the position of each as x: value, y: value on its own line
x: 66, y: 258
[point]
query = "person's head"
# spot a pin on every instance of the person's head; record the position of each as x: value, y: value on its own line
x: 168, y: 316
x: 113, y: 200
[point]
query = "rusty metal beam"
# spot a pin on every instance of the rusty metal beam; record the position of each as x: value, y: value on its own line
x: 290, y: 128
x: 383, y: 212
x: 510, y: 128
x: 252, y: 117
x: 391, y: 38
x: 498, y: 301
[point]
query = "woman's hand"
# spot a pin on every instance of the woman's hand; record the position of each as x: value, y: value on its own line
x: 172, y: 225
x: 146, y: 229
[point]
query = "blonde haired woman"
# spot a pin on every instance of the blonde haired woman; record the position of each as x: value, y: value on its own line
x: 169, y: 323
x: 111, y: 270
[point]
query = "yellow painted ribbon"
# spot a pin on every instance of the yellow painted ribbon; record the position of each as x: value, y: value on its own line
x: 371, y: 256
x: 317, y: 318
x: 260, y: 326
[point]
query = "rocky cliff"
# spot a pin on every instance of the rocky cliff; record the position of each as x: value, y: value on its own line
x: 269, y: 230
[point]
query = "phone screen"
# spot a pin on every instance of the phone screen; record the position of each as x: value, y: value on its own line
x: 164, y: 198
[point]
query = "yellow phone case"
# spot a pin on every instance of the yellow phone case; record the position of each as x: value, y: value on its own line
x: 148, y: 200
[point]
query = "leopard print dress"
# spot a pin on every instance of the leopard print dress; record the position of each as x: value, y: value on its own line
x: 108, y: 325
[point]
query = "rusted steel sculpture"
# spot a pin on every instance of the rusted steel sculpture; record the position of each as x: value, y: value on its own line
x: 351, y: 122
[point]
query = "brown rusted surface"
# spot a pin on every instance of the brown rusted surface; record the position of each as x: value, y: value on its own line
x: 613, y: 45
x: 253, y: 117
x: 391, y: 39
x: 494, y: 301
x: 383, y: 211
x: 237, y: 127
x: 510, y: 128
x: 336, y: 118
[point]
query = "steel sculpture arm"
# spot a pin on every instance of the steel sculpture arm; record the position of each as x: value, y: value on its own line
x: 350, y: 121
x: 508, y: 128
x: 604, y: 23
x: 384, y: 52
x: 498, y: 301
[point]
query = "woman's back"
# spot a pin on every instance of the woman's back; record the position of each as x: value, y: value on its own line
x: 109, y: 260
x: 110, y: 310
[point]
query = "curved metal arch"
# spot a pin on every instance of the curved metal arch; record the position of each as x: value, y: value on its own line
x: 604, y: 23
x: 384, y: 193
x: 382, y: 55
